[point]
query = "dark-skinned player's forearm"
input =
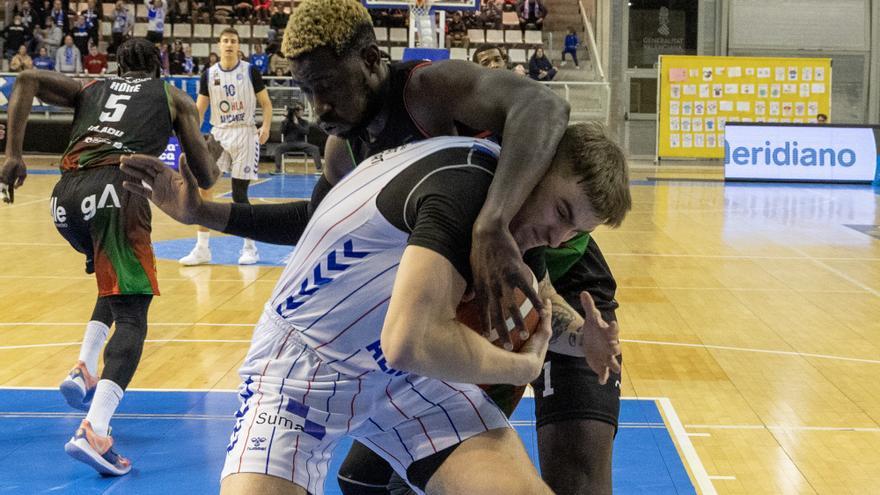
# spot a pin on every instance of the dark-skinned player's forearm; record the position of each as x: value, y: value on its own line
x: 19, y: 109
x: 276, y: 224
x: 523, y: 161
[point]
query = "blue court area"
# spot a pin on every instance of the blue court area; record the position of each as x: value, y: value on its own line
x: 177, y: 442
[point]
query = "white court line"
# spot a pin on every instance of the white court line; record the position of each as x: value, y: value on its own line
x: 704, y: 482
x: 152, y: 324
x: 699, y: 435
x: 819, y: 261
x: 17, y: 205
x: 784, y: 428
x: 747, y: 349
x: 804, y: 257
x: 164, y: 279
x: 730, y: 478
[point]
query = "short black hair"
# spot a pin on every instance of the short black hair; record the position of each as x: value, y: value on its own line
x: 487, y: 47
x: 138, y: 55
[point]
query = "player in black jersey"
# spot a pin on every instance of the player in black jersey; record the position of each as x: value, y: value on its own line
x: 134, y: 113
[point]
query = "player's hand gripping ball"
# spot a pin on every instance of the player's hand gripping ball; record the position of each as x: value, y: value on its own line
x: 468, y: 313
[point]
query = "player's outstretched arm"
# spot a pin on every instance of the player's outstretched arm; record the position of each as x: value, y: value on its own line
x: 51, y: 87
x: 177, y: 194
x: 186, y: 124
x: 532, y: 120
x: 421, y: 334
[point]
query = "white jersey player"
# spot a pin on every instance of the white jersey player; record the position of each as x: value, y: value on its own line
x: 233, y: 88
x: 359, y: 337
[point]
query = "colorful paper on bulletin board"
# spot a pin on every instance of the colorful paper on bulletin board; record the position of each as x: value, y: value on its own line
x: 699, y: 95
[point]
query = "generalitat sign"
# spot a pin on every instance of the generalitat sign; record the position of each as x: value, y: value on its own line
x: 810, y: 153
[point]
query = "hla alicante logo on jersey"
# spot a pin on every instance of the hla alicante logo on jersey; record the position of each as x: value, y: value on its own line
x: 800, y: 153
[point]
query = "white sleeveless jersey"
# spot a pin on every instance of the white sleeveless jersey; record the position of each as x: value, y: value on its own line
x: 233, y: 101
x: 335, y: 291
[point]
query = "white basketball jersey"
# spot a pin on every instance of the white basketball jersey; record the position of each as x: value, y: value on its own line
x: 336, y: 289
x: 233, y: 102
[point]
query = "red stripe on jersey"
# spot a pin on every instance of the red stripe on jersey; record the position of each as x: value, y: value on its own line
x: 426, y: 434
x: 470, y: 402
x: 361, y: 317
x: 348, y: 428
x: 253, y: 417
x: 393, y: 404
x: 383, y: 450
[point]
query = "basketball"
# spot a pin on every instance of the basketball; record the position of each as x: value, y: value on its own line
x: 468, y: 313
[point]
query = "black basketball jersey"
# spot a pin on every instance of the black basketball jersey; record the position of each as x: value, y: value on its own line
x: 118, y: 116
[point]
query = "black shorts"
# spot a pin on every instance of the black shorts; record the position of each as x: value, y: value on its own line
x: 110, y: 226
x: 572, y: 390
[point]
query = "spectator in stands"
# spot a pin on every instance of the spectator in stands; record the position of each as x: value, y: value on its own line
x: 68, y: 58
x: 156, y: 10
x: 213, y: 58
x: 490, y: 14
x: 42, y: 8
x: 281, y: 79
x: 95, y: 62
x: 277, y: 22
x: 21, y: 60
x: 28, y: 17
x: 243, y: 11
x: 54, y: 36
x: 261, y: 10
x: 123, y: 25
x: 241, y: 56
x: 294, y: 132
x: 531, y: 14
x: 59, y: 16
x: 821, y: 118
x: 80, y: 34
x: 190, y: 66
x: 278, y: 62
x: 571, y: 45
x: 175, y: 59
x: 92, y: 18
x: 490, y: 56
x: 259, y: 59
x: 540, y: 67
x: 164, y: 58
x: 43, y: 61
x: 457, y: 32
x: 15, y: 34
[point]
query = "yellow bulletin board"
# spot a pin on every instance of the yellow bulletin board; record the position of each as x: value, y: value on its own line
x: 699, y: 95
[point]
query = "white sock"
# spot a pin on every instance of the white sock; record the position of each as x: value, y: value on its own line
x: 202, y: 241
x: 93, y: 342
x: 107, y: 397
x: 250, y: 245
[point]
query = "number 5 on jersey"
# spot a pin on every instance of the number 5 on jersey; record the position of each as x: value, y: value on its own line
x: 116, y: 108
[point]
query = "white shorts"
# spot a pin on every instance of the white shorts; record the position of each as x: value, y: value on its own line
x: 241, y: 151
x: 295, y: 408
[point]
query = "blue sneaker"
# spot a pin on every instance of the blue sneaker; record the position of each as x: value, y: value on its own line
x: 79, y: 387
x: 90, y: 448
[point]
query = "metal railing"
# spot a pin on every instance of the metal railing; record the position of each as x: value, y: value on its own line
x: 591, y: 42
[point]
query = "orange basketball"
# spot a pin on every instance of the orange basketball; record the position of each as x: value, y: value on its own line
x: 468, y: 313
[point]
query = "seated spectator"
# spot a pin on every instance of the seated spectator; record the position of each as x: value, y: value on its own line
x: 490, y: 56
x: 281, y: 79
x: 15, y: 34
x: 68, y: 58
x: 213, y: 58
x: 821, y: 118
x: 490, y: 14
x: 540, y: 67
x: 259, y: 59
x: 123, y: 26
x: 277, y: 22
x: 190, y: 67
x: 92, y: 18
x: 520, y: 71
x: 531, y: 14
x: 243, y: 11
x: 278, y: 62
x: 294, y: 131
x: 261, y: 10
x: 21, y: 60
x: 176, y: 59
x: 95, y: 62
x: 571, y: 45
x: 457, y: 32
x: 80, y: 34
x: 43, y: 61
x: 164, y: 59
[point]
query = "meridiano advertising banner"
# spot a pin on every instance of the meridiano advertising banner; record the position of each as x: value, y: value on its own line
x: 814, y: 153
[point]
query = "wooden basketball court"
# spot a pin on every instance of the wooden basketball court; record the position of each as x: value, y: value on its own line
x: 753, y: 308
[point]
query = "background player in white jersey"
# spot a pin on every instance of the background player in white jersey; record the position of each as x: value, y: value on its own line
x: 233, y: 88
x: 355, y: 328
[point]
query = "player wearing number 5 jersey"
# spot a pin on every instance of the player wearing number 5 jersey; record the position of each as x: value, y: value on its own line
x: 133, y: 113
x: 233, y: 87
